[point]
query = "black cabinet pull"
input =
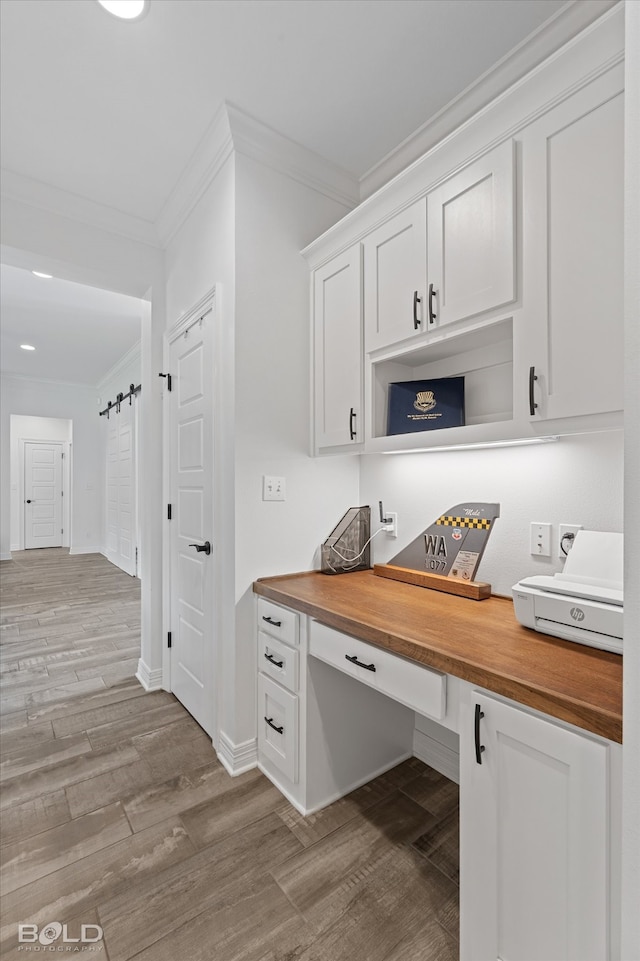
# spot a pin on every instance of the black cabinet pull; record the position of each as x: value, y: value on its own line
x: 416, y: 300
x: 271, y: 658
x: 28, y: 502
x: 354, y: 660
x: 479, y: 746
x: 432, y: 314
x: 270, y: 620
x: 532, y: 378
x: 206, y: 547
x: 278, y: 730
x: 352, y: 420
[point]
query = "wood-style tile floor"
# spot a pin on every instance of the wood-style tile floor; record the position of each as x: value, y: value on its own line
x: 115, y: 812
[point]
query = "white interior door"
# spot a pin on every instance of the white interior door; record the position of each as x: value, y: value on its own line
x: 121, y: 479
x: 43, y: 495
x: 191, y: 526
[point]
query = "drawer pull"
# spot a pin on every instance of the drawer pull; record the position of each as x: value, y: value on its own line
x: 271, y: 658
x: 479, y: 746
x: 279, y: 730
x: 270, y: 620
x: 354, y: 660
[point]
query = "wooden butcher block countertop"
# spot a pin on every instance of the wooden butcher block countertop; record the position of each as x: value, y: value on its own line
x: 478, y: 641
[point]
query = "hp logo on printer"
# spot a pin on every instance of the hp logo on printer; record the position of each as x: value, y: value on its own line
x: 577, y: 613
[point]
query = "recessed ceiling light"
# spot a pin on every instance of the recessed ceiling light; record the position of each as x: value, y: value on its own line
x: 126, y: 9
x: 27, y: 347
x: 38, y: 273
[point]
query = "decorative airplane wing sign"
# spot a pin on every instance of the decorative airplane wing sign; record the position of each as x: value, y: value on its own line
x: 454, y: 544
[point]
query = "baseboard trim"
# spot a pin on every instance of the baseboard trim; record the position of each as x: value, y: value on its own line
x: 85, y: 550
x: 5, y: 556
x: 437, y: 755
x: 237, y: 758
x: 150, y: 680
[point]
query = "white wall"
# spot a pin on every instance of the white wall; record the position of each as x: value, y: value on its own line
x: 630, y: 898
x: 80, y: 405
x: 577, y: 480
x: 276, y: 218
x: 35, y: 428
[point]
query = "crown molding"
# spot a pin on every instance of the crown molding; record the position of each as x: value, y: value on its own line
x: 43, y: 196
x: 569, y: 21
x: 132, y: 355
x: 207, y: 161
x: 7, y: 377
x: 232, y: 131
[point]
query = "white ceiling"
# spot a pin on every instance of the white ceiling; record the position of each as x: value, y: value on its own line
x: 79, y: 332
x: 112, y: 112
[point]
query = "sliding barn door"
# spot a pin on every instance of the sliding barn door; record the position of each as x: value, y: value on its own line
x: 121, y: 490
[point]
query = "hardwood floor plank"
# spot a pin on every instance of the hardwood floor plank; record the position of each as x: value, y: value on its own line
x: 117, y: 732
x: 82, y: 885
x: 175, y: 748
x: 93, y: 717
x: 30, y: 859
x: 41, y: 756
x: 433, y: 791
x: 180, y: 794
x: 209, y: 881
x: 119, y: 783
x: 259, y: 912
x: 334, y: 861
x: 81, y: 701
x: 23, y: 737
x: 242, y: 801
x: 33, y: 817
x: 64, y: 773
x: 441, y: 845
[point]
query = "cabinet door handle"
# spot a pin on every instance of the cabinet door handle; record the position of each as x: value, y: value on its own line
x: 278, y: 730
x: 479, y: 746
x: 271, y: 658
x: 270, y: 620
x: 416, y: 300
x: 532, y: 378
x: 432, y: 315
x: 352, y: 419
x: 354, y: 660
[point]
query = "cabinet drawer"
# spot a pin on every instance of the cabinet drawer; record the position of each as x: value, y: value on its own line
x: 278, y: 661
x: 278, y: 621
x: 278, y: 726
x: 420, y: 688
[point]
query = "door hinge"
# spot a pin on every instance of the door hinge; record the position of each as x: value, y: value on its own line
x: 168, y: 638
x: 168, y: 512
x: 168, y: 376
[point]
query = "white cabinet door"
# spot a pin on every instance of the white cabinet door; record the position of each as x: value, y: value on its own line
x: 471, y: 230
x: 395, y: 275
x: 337, y: 295
x: 573, y: 182
x: 533, y: 837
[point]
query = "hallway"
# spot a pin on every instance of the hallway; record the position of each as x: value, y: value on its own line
x: 117, y: 815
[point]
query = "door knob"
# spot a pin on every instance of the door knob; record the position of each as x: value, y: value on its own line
x: 206, y: 547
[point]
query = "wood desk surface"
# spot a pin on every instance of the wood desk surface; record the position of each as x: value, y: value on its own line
x: 478, y: 641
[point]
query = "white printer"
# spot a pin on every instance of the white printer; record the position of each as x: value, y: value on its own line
x: 584, y: 602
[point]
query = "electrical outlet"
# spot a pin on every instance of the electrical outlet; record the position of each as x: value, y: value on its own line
x: 273, y: 488
x: 566, y: 537
x: 392, y: 527
x: 540, y: 539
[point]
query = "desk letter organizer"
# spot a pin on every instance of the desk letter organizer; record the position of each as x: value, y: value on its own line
x: 347, y: 546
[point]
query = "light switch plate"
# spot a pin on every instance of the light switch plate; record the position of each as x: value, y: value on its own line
x: 273, y: 488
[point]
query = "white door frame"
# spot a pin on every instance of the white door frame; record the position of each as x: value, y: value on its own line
x: 66, y: 487
x: 209, y: 302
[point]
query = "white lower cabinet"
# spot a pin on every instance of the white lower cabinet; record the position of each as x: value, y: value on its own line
x: 537, y: 805
x: 278, y: 726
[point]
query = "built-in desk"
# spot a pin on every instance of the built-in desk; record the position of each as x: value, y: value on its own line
x: 478, y: 641
x: 353, y: 667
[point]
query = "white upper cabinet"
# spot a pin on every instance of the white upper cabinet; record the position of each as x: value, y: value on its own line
x: 471, y: 231
x: 573, y: 231
x: 338, y: 351
x: 395, y: 278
